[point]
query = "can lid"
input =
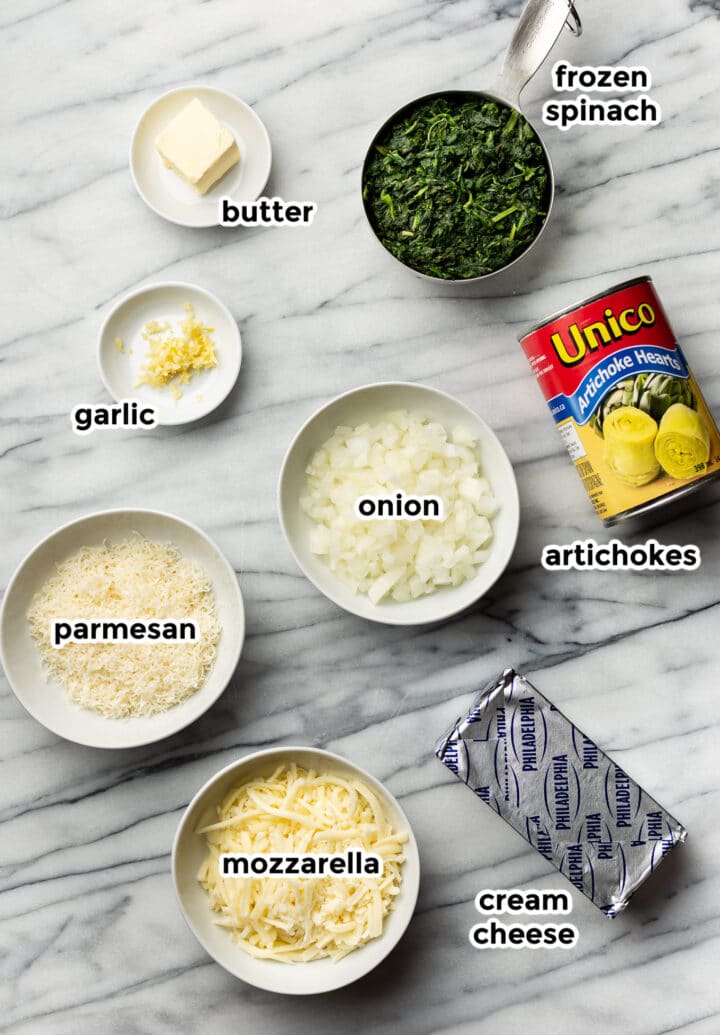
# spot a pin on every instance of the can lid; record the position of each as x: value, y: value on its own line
x: 585, y: 301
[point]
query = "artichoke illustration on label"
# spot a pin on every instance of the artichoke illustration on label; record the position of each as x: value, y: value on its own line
x: 682, y: 446
x: 642, y: 435
x: 630, y: 445
x: 654, y: 394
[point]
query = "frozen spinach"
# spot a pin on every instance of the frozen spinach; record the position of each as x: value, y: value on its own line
x: 457, y: 187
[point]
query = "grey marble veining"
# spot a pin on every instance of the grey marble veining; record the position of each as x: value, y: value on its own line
x: 91, y: 937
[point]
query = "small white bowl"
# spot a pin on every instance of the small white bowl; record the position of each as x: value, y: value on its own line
x: 119, y: 370
x: 189, y: 850
x: 163, y: 190
x: 370, y: 403
x: 45, y: 699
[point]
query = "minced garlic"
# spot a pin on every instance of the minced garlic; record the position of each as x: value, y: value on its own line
x: 176, y: 353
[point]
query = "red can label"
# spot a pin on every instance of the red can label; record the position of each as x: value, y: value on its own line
x: 626, y: 404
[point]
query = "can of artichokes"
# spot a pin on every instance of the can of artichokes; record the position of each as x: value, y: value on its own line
x: 625, y: 401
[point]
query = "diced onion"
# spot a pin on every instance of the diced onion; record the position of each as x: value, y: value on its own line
x: 400, y: 559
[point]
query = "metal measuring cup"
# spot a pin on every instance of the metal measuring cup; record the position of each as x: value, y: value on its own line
x: 539, y: 25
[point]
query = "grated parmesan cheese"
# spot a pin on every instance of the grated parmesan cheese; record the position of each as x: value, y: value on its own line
x: 300, y: 919
x: 175, y: 354
x: 136, y: 578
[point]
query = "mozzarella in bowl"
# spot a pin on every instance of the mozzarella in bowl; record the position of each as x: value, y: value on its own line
x: 296, y: 812
x: 189, y: 858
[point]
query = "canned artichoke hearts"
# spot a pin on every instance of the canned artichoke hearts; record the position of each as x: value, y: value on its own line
x: 624, y: 399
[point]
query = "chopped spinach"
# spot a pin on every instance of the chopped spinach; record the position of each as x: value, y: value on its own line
x: 457, y: 187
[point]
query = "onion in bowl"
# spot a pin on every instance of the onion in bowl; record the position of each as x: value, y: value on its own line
x: 399, y: 559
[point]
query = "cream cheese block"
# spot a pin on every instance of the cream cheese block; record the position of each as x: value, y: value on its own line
x: 196, y: 147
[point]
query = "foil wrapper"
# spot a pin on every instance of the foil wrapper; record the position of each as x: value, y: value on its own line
x: 521, y: 756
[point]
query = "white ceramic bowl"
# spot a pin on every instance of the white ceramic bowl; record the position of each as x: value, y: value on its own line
x: 163, y: 190
x: 45, y: 699
x: 119, y: 370
x: 189, y: 850
x: 370, y: 403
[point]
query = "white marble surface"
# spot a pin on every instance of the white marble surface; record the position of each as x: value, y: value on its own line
x: 91, y: 936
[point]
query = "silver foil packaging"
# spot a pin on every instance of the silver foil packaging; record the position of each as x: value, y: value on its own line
x: 555, y: 786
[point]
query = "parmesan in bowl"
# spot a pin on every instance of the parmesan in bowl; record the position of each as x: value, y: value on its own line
x: 118, y: 694
x: 288, y: 934
x: 134, y: 579
x: 399, y: 442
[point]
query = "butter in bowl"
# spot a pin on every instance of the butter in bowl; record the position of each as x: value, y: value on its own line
x: 192, y: 147
x: 198, y: 148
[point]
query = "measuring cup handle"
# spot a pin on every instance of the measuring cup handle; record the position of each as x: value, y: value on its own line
x: 538, y: 27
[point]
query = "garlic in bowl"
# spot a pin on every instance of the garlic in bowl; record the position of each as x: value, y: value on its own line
x: 399, y: 503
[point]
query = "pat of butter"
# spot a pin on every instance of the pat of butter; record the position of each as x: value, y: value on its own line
x: 197, y: 147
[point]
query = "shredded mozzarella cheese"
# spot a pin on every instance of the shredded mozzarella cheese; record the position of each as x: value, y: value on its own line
x: 306, y: 918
